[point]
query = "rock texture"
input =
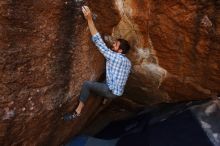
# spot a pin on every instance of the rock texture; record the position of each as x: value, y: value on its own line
x: 176, y: 48
x: 46, y: 54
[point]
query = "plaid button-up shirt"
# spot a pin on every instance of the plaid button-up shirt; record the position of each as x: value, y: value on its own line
x: 118, y: 66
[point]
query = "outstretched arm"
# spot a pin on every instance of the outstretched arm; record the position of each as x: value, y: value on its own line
x: 108, y: 54
x: 88, y: 15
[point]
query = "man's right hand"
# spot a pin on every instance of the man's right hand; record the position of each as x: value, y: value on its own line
x: 87, y: 13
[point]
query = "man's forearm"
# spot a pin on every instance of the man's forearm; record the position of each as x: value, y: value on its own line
x: 92, y: 27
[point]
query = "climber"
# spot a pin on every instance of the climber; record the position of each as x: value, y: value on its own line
x: 118, y: 67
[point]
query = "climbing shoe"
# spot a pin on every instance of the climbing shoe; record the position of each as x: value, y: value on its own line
x: 70, y: 116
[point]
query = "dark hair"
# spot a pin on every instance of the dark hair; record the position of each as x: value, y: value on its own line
x: 124, y: 45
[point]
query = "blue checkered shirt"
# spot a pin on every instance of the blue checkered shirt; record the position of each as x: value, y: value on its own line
x: 118, y: 66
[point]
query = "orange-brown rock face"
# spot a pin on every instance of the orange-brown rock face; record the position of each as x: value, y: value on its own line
x: 176, y: 52
x: 187, y: 45
x: 46, y: 54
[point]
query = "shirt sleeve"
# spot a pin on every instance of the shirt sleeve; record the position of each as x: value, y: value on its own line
x: 108, y: 53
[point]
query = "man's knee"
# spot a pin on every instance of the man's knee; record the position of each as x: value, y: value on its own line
x: 87, y: 83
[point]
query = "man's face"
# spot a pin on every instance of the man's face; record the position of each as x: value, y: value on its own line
x: 115, y: 47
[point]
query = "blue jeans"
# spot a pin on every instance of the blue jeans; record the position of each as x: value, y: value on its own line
x: 101, y: 89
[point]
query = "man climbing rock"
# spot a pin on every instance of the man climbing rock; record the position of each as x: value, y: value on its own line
x: 118, y: 67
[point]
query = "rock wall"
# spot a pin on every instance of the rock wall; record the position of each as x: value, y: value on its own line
x: 46, y: 54
x: 175, y: 49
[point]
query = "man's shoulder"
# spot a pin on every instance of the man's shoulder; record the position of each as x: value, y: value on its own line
x: 126, y: 59
x: 122, y: 57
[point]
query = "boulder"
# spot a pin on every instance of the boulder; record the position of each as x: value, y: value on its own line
x: 46, y: 54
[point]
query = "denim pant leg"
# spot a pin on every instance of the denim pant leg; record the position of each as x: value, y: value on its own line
x: 100, y: 89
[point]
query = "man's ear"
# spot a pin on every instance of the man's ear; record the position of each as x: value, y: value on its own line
x: 120, y: 51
